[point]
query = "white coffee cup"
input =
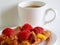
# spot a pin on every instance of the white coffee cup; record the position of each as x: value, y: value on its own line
x: 34, y: 15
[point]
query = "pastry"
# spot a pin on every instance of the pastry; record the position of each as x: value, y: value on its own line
x: 24, y: 35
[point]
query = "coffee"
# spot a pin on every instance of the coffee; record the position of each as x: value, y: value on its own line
x: 33, y: 6
x: 34, y: 13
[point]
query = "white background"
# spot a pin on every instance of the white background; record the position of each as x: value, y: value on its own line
x: 9, y: 15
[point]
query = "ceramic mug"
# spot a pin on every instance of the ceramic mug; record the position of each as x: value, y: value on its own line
x: 34, y: 13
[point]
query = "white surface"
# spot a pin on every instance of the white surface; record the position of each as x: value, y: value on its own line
x: 8, y: 15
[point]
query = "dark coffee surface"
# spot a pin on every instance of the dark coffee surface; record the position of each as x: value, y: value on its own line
x: 33, y: 6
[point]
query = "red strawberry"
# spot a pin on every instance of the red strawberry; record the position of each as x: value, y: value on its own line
x: 26, y: 27
x: 23, y: 35
x: 38, y: 30
x: 8, y: 32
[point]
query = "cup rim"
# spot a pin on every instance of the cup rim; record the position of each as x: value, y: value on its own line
x: 25, y: 2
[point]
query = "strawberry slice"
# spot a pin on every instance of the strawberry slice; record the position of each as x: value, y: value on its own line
x: 27, y: 27
x: 8, y: 32
x: 23, y: 35
x: 38, y: 30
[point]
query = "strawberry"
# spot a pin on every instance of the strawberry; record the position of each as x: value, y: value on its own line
x: 27, y: 27
x: 8, y: 32
x: 38, y: 30
x: 23, y: 35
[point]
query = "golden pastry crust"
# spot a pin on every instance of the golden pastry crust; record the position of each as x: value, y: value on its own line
x: 17, y: 29
x: 13, y: 40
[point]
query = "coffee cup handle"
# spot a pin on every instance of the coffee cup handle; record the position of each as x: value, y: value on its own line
x: 50, y: 9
